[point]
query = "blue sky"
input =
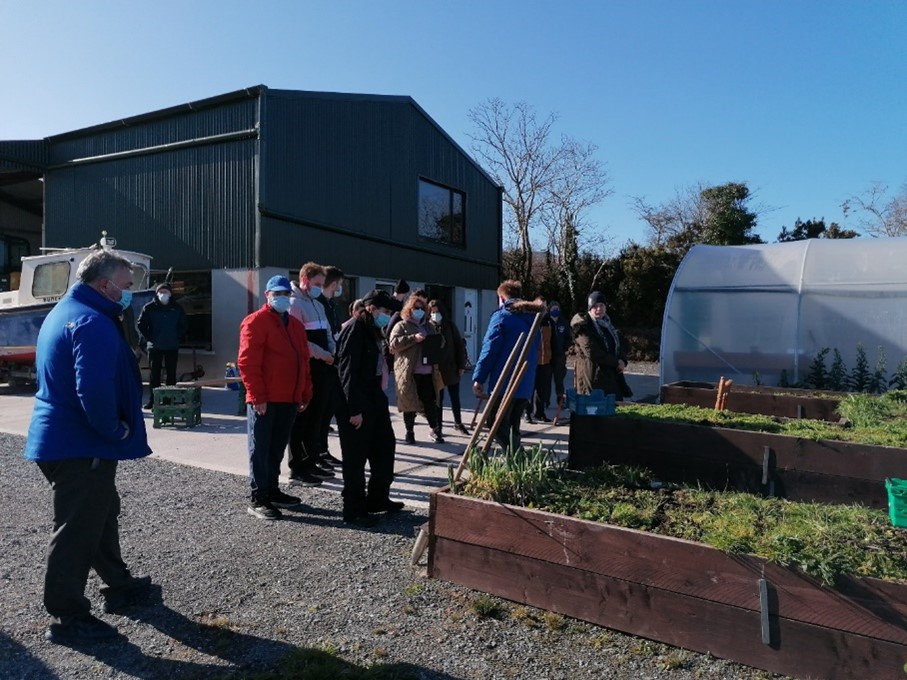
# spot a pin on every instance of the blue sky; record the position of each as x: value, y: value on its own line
x: 804, y: 100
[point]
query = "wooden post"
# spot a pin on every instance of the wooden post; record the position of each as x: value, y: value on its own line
x: 523, y: 343
x: 505, y: 405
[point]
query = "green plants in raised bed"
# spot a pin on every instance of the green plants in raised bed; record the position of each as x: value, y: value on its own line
x: 824, y: 541
x: 878, y: 420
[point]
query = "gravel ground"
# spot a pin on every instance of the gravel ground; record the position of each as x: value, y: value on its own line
x: 239, y: 595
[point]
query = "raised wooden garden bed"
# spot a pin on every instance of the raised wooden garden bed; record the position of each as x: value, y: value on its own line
x: 678, y: 592
x: 769, y: 401
x: 778, y: 465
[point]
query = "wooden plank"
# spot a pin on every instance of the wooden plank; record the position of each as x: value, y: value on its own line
x: 740, y: 447
x: 798, y: 649
x: 667, y: 563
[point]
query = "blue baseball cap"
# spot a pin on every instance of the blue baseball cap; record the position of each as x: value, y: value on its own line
x: 279, y: 283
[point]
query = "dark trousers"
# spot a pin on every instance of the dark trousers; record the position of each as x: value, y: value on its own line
x: 86, y: 532
x: 267, y: 437
x: 166, y: 359
x: 375, y: 443
x: 305, y: 437
x: 542, y: 393
x: 425, y: 389
x: 508, y: 435
x: 334, y: 396
x: 454, y: 391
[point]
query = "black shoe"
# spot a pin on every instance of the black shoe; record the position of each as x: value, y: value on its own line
x: 530, y: 419
x: 304, y: 478
x: 386, y: 505
x: 133, y: 592
x: 460, y: 427
x: 363, y: 521
x: 543, y: 418
x: 317, y: 470
x: 148, y: 405
x: 410, y: 438
x: 80, y: 630
x: 263, y: 510
x: 436, y: 436
x: 328, y: 459
x: 280, y: 499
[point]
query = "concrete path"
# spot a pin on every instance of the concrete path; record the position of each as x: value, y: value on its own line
x: 219, y: 443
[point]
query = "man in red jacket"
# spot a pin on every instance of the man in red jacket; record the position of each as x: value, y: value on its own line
x: 274, y: 365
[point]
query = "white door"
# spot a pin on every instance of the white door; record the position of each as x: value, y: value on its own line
x: 467, y: 323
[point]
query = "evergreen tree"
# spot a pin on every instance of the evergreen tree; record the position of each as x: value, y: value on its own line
x: 859, y: 377
x: 817, y: 378
x: 877, y: 382
x: 899, y: 379
x: 837, y: 375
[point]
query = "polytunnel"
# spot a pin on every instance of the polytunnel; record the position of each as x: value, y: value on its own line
x: 759, y: 314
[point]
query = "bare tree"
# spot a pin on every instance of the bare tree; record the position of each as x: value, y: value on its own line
x: 514, y: 146
x: 580, y: 182
x: 877, y: 214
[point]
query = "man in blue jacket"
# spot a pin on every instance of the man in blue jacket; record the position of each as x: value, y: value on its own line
x: 513, y: 317
x: 87, y: 418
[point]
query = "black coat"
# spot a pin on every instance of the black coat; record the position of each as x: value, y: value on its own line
x: 358, y: 353
x: 162, y: 326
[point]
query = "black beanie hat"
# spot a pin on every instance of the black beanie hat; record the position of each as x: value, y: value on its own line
x: 401, y: 287
x: 595, y: 297
x: 163, y: 286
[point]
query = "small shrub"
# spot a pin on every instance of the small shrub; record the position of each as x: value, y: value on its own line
x: 859, y: 378
x: 837, y: 374
x: 487, y: 607
x: 817, y: 377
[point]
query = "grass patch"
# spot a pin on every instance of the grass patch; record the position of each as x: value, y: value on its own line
x: 488, y: 607
x: 318, y: 664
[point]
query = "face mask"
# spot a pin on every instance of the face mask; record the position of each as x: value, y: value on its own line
x: 338, y: 292
x: 436, y: 317
x: 279, y: 303
x: 125, y: 297
x: 164, y: 298
x: 555, y: 313
x: 418, y: 314
x: 315, y: 291
x: 382, y: 320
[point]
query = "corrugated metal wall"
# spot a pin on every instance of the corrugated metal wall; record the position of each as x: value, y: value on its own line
x: 340, y: 184
x: 192, y: 205
x: 23, y: 155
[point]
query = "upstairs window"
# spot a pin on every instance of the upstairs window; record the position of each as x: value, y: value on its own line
x: 442, y: 215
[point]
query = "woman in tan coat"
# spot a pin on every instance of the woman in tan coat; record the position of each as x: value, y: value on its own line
x: 415, y: 348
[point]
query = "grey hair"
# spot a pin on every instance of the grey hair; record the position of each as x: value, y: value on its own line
x: 101, y: 264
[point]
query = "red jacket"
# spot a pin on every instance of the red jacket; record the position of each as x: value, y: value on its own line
x: 274, y: 359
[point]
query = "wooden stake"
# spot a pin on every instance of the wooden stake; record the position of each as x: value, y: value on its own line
x: 718, y: 394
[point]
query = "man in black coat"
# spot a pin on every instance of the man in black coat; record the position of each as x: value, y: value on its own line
x: 162, y: 325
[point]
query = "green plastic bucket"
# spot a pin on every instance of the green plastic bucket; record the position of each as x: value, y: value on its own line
x: 897, y: 501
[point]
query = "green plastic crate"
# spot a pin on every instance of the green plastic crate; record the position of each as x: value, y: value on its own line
x: 897, y: 501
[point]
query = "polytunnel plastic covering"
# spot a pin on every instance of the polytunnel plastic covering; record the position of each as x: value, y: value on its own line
x: 752, y: 312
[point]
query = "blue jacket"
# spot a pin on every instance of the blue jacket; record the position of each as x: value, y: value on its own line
x: 88, y: 384
x: 504, y: 327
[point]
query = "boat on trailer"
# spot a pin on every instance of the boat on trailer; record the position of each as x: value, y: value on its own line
x: 43, y: 281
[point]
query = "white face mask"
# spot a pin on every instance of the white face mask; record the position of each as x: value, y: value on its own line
x: 436, y: 317
x: 164, y: 298
x: 339, y: 292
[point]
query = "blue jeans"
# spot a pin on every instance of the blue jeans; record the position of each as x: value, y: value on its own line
x: 268, y: 437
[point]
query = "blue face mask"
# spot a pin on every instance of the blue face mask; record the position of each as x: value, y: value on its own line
x: 125, y: 297
x: 555, y: 313
x: 382, y: 320
x: 315, y: 291
x: 418, y: 314
x: 338, y: 292
x: 279, y: 303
